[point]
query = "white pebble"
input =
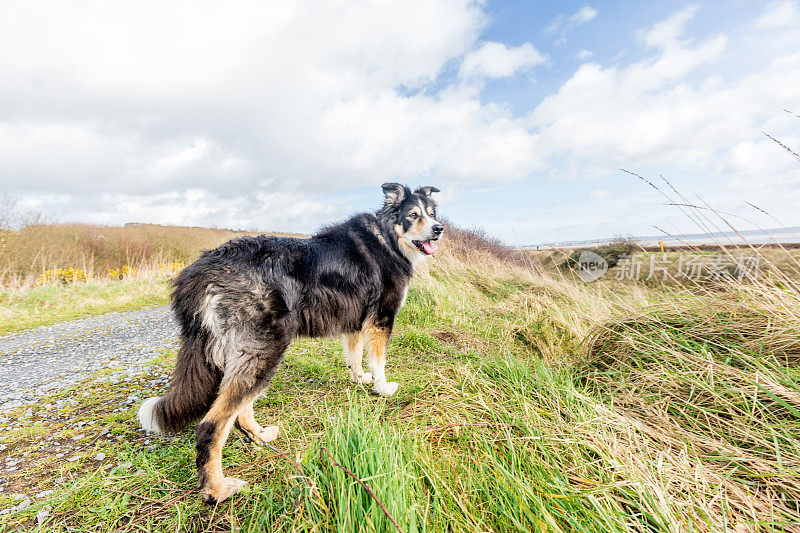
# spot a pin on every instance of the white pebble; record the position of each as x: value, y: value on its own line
x: 42, y: 515
x: 24, y: 505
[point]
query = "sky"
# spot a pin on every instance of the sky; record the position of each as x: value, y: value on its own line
x: 286, y: 116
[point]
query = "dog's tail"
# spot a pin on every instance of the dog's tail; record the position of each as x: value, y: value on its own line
x: 193, y: 390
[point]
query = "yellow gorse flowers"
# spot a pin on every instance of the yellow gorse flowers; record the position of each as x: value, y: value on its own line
x: 122, y: 272
x: 65, y: 276
x: 169, y: 269
x: 61, y: 275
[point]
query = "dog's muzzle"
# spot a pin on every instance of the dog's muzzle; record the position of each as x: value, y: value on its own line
x: 429, y: 247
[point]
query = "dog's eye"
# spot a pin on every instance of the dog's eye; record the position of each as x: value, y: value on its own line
x: 412, y: 216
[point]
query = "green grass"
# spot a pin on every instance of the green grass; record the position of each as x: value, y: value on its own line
x: 364, y: 446
x: 48, y: 304
x: 526, y: 404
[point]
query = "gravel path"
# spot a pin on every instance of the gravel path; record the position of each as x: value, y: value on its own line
x: 38, y: 361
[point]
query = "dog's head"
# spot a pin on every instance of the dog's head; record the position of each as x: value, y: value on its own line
x: 412, y: 216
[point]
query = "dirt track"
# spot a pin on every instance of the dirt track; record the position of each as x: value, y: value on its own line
x: 40, y: 360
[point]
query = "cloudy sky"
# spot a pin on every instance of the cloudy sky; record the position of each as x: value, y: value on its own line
x: 287, y: 115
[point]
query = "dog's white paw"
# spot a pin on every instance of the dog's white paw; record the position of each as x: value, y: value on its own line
x: 226, y: 489
x: 268, y: 434
x: 364, y: 379
x: 387, y: 388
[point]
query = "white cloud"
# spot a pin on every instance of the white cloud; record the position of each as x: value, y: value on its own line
x: 249, y: 114
x: 279, y: 211
x: 496, y: 60
x: 673, y: 111
x: 753, y: 162
x: 667, y: 33
x: 583, y: 54
x: 601, y: 193
x: 643, y: 112
x: 779, y: 14
x: 450, y: 135
x: 563, y: 23
x: 582, y: 16
x: 249, y: 97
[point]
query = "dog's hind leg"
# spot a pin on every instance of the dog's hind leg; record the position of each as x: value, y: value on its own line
x: 377, y: 341
x: 246, y: 422
x: 248, y: 371
x: 211, y: 433
x: 353, y: 344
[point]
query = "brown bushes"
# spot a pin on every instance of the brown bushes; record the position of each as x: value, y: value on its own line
x: 27, y: 253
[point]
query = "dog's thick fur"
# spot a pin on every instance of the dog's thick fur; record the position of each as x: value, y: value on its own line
x: 240, y: 306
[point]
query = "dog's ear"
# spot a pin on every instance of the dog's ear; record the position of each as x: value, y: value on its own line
x: 426, y: 190
x: 395, y: 193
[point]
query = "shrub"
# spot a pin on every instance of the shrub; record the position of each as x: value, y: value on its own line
x: 611, y: 252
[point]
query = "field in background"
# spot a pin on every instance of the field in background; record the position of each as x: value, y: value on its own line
x: 630, y: 262
x: 41, y: 254
x: 529, y: 401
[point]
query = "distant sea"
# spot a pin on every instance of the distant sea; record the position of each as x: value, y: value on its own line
x: 775, y: 235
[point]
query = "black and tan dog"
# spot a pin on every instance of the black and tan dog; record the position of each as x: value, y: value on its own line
x: 240, y: 306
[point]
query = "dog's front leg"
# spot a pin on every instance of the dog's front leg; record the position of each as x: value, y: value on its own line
x: 377, y: 341
x: 353, y: 344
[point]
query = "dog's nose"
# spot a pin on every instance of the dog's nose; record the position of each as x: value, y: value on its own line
x: 437, y: 229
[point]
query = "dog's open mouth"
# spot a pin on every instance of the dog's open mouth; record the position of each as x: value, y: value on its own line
x: 426, y: 247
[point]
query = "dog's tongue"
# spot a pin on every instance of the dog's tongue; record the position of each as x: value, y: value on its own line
x: 429, y: 247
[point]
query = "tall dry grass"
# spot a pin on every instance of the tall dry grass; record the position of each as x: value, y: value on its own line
x: 28, y: 252
x: 668, y: 407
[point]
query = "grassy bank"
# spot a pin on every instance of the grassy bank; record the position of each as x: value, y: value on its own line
x: 528, y: 402
x: 48, y: 304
